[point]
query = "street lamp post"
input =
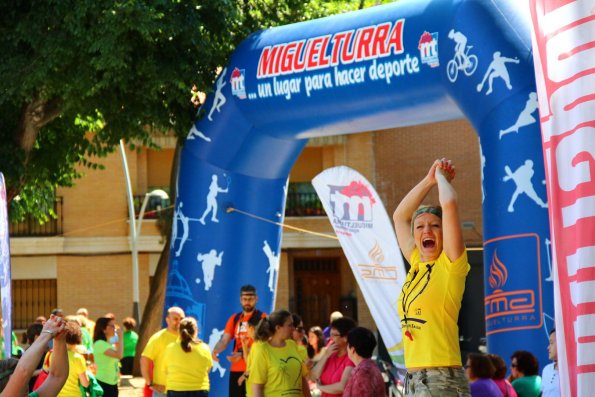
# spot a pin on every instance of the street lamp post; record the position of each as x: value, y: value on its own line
x: 135, y: 230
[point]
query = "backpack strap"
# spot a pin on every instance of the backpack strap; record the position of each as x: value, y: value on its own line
x: 257, y: 313
x: 236, y: 320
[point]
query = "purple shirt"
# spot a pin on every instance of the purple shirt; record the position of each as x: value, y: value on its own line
x: 365, y: 381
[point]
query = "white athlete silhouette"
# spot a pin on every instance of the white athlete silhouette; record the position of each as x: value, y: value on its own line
x: 214, y: 189
x: 213, y: 339
x: 273, y: 264
x: 497, y: 68
x: 209, y: 261
x: 462, y: 60
x: 525, y: 118
x: 194, y: 133
x: 522, y: 178
x: 219, y: 99
x: 178, y: 214
x: 460, y: 46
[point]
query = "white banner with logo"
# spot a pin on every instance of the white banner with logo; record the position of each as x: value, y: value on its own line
x: 370, y: 245
x: 564, y: 56
x: 5, y: 288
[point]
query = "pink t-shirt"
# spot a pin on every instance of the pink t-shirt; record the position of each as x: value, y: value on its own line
x: 505, y: 387
x: 333, y: 370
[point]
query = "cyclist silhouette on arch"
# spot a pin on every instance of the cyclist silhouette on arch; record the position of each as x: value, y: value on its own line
x: 461, y: 60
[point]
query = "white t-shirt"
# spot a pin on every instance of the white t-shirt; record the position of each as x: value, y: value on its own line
x: 550, y: 381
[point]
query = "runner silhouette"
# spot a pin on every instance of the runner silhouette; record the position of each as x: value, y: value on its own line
x: 195, y: 133
x: 219, y: 99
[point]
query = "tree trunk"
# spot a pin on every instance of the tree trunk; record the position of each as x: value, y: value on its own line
x: 34, y: 115
x: 153, y: 313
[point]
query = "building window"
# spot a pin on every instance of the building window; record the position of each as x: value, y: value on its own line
x: 32, y: 298
x: 302, y: 200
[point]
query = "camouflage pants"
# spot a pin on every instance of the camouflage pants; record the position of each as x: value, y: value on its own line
x: 437, y: 382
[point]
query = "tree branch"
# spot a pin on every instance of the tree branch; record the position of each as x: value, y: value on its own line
x: 35, y: 115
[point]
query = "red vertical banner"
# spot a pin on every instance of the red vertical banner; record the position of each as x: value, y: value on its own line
x: 564, y: 55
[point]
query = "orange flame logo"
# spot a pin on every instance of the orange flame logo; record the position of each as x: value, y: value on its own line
x: 376, y: 254
x: 498, y: 272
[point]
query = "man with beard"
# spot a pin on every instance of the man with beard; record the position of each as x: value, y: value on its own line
x: 152, y: 365
x: 237, y: 326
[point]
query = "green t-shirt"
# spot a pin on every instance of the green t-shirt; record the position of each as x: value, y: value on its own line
x: 130, y: 341
x: 107, y: 367
x: 33, y: 394
x: 87, y: 340
x: 527, y: 386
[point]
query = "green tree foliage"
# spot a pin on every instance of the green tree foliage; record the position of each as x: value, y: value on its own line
x: 79, y: 75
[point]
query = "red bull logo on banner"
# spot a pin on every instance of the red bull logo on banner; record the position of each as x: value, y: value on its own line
x: 508, y: 306
x: 351, y: 207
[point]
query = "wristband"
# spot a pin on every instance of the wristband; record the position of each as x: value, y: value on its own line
x: 47, y: 331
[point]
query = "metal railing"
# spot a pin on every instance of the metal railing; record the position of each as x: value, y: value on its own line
x: 303, y: 204
x: 30, y: 227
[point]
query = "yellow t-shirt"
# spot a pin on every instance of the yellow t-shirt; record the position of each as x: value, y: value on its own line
x: 255, y: 347
x: 279, y: 369
x: 76, y: 366
x: 187, y: 371
x: 155, y: 349
x: 429, y: 307
x: 303, y: 352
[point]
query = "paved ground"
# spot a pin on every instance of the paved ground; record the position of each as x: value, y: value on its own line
x: 131, y: 387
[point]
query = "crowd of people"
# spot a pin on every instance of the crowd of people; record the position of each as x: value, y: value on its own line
x: 272, y: 355
x: 70, y: 356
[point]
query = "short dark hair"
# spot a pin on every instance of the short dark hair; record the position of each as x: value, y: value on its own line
x: 526, y: 362
x: 33, y: 330
x: 129, y: 323
x: 362, y: 340
x: 500, y: 365
x: 297, y: 319
x: 552, y: 331
x: 481, y: 365
x: 247, y: 289
x: 343, y: 325
x: 74, y: 336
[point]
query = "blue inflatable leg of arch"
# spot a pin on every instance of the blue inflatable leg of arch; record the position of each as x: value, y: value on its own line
x: 411, y: 62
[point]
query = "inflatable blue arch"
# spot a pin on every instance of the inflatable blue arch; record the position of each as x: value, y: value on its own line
x: 406, y: 63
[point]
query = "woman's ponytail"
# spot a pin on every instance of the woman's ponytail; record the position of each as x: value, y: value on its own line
x: 188, y: 332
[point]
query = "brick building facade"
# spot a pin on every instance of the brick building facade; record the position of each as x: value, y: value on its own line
x: 89, y: 262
